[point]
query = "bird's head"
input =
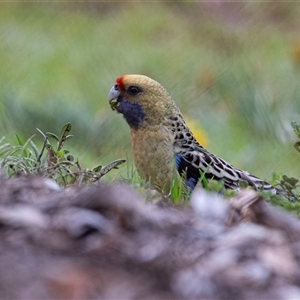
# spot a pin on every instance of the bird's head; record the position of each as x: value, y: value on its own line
x: 140, y: 99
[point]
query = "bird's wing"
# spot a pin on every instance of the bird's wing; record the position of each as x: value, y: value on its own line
x: 193, y: 161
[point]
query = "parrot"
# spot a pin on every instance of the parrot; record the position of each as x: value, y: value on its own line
x: 164, y: 148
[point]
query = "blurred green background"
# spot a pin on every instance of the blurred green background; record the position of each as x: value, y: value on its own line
x: 232, y: 68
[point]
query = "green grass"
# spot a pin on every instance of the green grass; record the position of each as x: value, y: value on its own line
x: 51, y: 160
x: 236, y: 77
x: 54, y: 161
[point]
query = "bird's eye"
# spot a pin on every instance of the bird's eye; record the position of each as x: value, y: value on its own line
x: 133, y: 90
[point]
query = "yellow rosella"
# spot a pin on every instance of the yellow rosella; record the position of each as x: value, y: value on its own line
x: 163, y: 146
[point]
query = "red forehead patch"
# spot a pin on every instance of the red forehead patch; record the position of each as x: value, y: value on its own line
x: 120, y: 83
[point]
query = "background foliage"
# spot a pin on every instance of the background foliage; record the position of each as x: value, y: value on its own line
x: 233, y: 69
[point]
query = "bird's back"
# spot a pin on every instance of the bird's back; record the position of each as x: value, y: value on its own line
x: 193, y: 161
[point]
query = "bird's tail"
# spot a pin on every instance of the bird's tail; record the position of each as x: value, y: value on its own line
x: 264, y: 186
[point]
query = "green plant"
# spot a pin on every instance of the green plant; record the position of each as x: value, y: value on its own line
x: 52, y: 160
x: 296, y: 128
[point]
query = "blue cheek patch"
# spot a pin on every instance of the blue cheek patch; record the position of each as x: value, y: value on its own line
x: 132, y: 112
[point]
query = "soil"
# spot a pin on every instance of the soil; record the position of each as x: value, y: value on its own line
x: 104, y: 242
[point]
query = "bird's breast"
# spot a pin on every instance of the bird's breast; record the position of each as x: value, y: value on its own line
x: 153, y: 156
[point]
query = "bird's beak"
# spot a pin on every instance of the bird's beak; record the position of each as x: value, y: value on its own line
x: 113, y: 95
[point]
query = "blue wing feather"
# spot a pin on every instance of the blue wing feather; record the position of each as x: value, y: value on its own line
x: 186, y: 170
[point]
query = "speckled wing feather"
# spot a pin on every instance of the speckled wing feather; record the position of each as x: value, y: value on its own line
x: 192, y: 160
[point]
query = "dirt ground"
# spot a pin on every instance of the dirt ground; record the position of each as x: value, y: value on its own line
x: 105, y: 242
